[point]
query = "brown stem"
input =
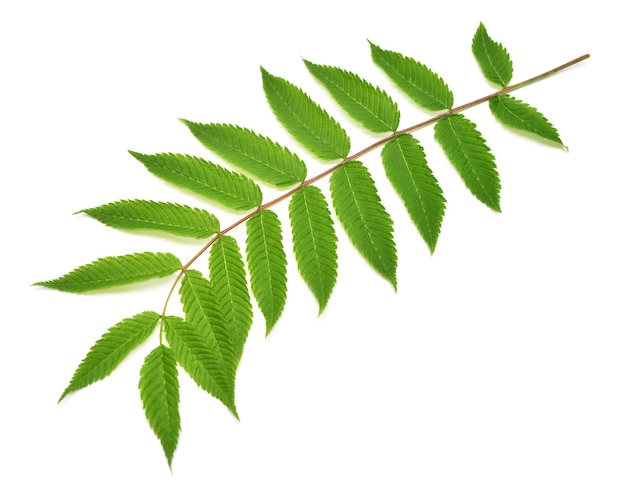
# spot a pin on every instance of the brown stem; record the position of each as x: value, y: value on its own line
x: 358, y: 154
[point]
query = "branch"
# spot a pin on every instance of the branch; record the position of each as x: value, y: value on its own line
x: 373, y: 146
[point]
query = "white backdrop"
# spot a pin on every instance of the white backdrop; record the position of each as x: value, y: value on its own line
x: 500, y: 359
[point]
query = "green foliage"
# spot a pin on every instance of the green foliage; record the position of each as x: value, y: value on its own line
x: 267, y: 264
x: 492, y: 58
x: 258, y: 155
x: 314, y: 242
x: 368, y: 105
x: 471, y: 157
x: 110, y: 350
x: 405, y: 165
x: 307, y: 122
x: 163, y: 216
x: 208, y: 343
x: 204, y: 178
x: 417, y: 81
x: 115, y: 271
x: 200, y: 359
x: 158, y: 387
x: 519, y: 115
x: 228, y: 277
x: 367, y: 223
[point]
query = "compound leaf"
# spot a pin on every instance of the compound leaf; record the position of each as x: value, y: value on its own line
x: 212, y: 181
x: 163, y: 216
x: 305, y: 120
x: 364, y: 218
x: 517, y: 114
x: 417, y: 81
x: 203, y: 312
x: 159, y: 390
x: 200, y: 360
x: 267, y: 263
x: 256, y: 154
x: 405, y: 165
x: 314, y: 242
x: 114, y: 271
x: 111, y: 349
x: 228, y: 277
x: 470, y: 155
x: 492, y: 57
x: 367, y: 104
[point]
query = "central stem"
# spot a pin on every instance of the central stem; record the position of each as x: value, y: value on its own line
x: 364, y: 151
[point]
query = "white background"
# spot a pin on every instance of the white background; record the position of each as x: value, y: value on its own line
x: 500, y: 359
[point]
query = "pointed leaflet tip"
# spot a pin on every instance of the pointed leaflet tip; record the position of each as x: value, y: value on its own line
x: 492, y: 57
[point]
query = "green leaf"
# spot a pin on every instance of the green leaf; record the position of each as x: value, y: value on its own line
x: 228, y: 277
x: 230, y: 189
x: 159, y: 390
x: 200, y: 360
x: 307, y: 122
x: 115, y: 271
x: 203, y: 312
x: 111, y: 349
x: 164, y: 216
x: 367, y: 104
x: 417, y: 81
x: 470, y: 155
x: 405, y: 165
x: 314, y: 242
x: 517, y: 114
x: 258, y: 155
x: 492, y: 58
x: 364, y: 218
x: 267, y: 263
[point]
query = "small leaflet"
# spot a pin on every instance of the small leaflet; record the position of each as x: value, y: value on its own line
x: 115, y: 271
x: 405, y: 164
x: 365, y: 103
x: 159, y: 390
x: 228, y: 278
x: 364, y: 218
x: 200, y: 360
x: 111, y: 349
x: 519, y: 115
x: 166, y: 217
x: 417, y: 81
x: 218, y: 184
x: 469, y: 154
x: 267, y: 264
x: 492, y: 57
x: 305, y: 120
x: 260, y: 156
x: 314, y: 242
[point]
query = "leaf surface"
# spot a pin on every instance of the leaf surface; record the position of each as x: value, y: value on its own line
x: 267, y: 263
x: 492, y: 57
x: 256, y: 154
x: 469, y: 154
x: 203, y: 312
x: 228, y: 277
x: 417, y: 81
x: 305, y: 120
x: 314, y: 242
x: 159, y: 390
x: 367, y: 104
x: 519, y: 115
x: 163, y: 216
x: 202, y: 362
x: 115, y: 271
x: 111, y: 349
x: 212, y: 181
x: 364, y: 218
x: 404, y: 161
